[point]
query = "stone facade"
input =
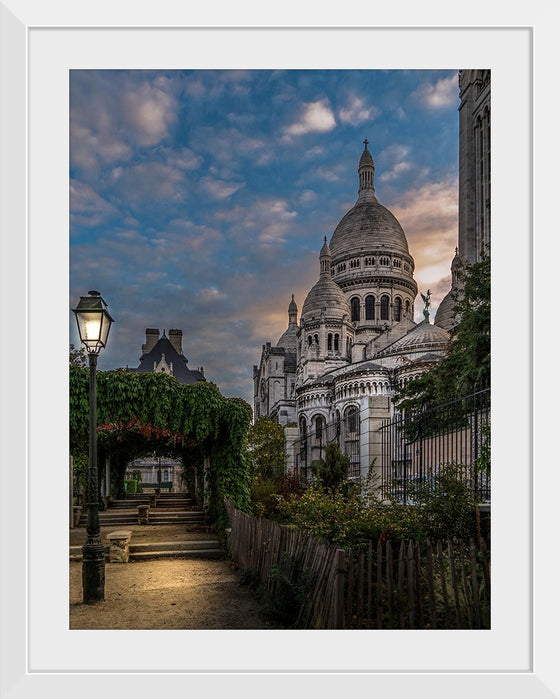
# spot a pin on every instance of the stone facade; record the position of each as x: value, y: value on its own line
x: 334, y: 372
x: 474, y: 182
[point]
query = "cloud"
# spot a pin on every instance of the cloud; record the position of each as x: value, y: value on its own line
x: 316, y: 117
x: 87, y: 207
x: 114, y: 112
x: 181, y: 158
x: 147, y: 183
x: 443, y: 94
x: 429, y: 217
x: 398, y: 164
x: 219, y: 189
x: 356, y: 112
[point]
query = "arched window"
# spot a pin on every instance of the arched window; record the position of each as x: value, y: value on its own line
x: 309, y: 340
x: 385, y: 307
x: 329, y: 342
x: 348, y: 346
x: 316, y: 339
x: 407, y: 308
x: 355, y: 309
x: 336, y: 342
x: 397, y: 310
x: 352, y: 439
x: 319, y: 429
x: 370, y: 308
x: 166, y: 476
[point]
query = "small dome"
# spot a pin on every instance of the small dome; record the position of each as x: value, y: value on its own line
x: 445, y: 314
x: 292, y: 308
x: 366, y: 158
x: 325, y: 297
x: 289, y: 339
x: 424, y: 336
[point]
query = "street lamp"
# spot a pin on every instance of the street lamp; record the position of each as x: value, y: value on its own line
x: 94, y: 323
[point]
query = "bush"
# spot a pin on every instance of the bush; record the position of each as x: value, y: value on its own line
x: 445, y: 509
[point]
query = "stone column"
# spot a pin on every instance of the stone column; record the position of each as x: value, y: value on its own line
x: 143, y: 514
x: 375, y: 409
x: 291, y: 436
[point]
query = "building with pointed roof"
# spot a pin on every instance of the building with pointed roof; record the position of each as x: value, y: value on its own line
x: 165, y: 354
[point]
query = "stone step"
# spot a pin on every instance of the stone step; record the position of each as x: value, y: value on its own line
x: 197, y: 553
x: 175, y: 545
x: 132, y: 518
x: 166, y: 502
x: 210, y: 548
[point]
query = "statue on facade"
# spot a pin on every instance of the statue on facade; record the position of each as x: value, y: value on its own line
x: 426, y: 300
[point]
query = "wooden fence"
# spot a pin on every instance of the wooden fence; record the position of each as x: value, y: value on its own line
x: 413, y: 586
x: 259, y: 544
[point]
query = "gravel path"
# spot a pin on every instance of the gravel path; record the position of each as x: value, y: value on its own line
x: 177, y: 593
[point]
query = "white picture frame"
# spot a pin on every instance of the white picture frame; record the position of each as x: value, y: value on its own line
x: 40, y: 656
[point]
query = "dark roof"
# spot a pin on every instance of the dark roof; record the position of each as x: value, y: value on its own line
x: 181, y: 370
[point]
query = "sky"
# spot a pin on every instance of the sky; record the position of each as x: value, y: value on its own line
x: 199, y: 200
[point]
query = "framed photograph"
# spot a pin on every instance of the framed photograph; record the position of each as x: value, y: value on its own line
x: 41, y: 656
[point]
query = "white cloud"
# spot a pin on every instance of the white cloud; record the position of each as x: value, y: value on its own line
x: 317, y: 117
x: 147, y: 182
x: 356, y: 112
x: 149, y: 111
x: 87, y: 207
x: 443, y: 94
x: 111, y: 113
x: 220, y: 189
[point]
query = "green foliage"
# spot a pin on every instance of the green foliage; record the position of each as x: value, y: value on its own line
x: 267, y: 493
x: 266, y: 448
x: 291, y: 585
x: 448, y: 505
x: 468, y: 360
x: 78, y: 356
x: 444, y: 509
x: 146, y: 414
x: 332, y: 471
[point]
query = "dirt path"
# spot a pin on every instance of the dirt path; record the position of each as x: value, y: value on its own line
x: 167, y: 594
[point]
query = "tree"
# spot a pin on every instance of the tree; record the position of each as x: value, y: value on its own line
x: 468, y: 361
x: 77, y: 356
x: 332, y: 471
x: 267, y: 449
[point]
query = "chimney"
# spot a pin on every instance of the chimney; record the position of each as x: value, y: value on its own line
x: 176, y: 339
x: 152, y: 336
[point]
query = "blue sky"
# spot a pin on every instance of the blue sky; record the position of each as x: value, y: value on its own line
x: 199, y: 199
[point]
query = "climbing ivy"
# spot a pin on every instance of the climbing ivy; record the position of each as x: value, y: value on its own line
x: 142, y: 414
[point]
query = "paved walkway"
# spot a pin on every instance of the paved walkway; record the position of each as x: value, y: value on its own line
x: 165, y: 593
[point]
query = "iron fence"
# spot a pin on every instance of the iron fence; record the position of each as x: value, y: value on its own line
x: 345, y: 431
x: 417, y: 445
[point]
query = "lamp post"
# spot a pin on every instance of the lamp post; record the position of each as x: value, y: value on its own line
x: 94, y: 323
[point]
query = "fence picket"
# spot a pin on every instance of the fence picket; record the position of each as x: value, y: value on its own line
x: 454, y: 583
x: 400, y: 584
x: 410, y: 583
x: 390, y: 581
x: 379, y: 595
x: 475, y: 588
x: 430, y: 579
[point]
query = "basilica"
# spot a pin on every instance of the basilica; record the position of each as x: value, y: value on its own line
x: 356, y: 338
x: 332, y: 373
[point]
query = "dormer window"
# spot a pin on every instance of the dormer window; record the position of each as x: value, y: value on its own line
x: 384, y: 261
x: 354, y: 263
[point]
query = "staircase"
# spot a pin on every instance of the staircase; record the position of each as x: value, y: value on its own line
x: 171, y: 508
x: 207, y: 548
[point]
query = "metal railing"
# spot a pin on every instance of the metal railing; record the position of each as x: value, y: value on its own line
x: 345, y: 432
x: 416, y: 446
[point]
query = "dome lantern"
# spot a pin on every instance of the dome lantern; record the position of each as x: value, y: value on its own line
x: 366, y: 171
x: 325, y: 258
